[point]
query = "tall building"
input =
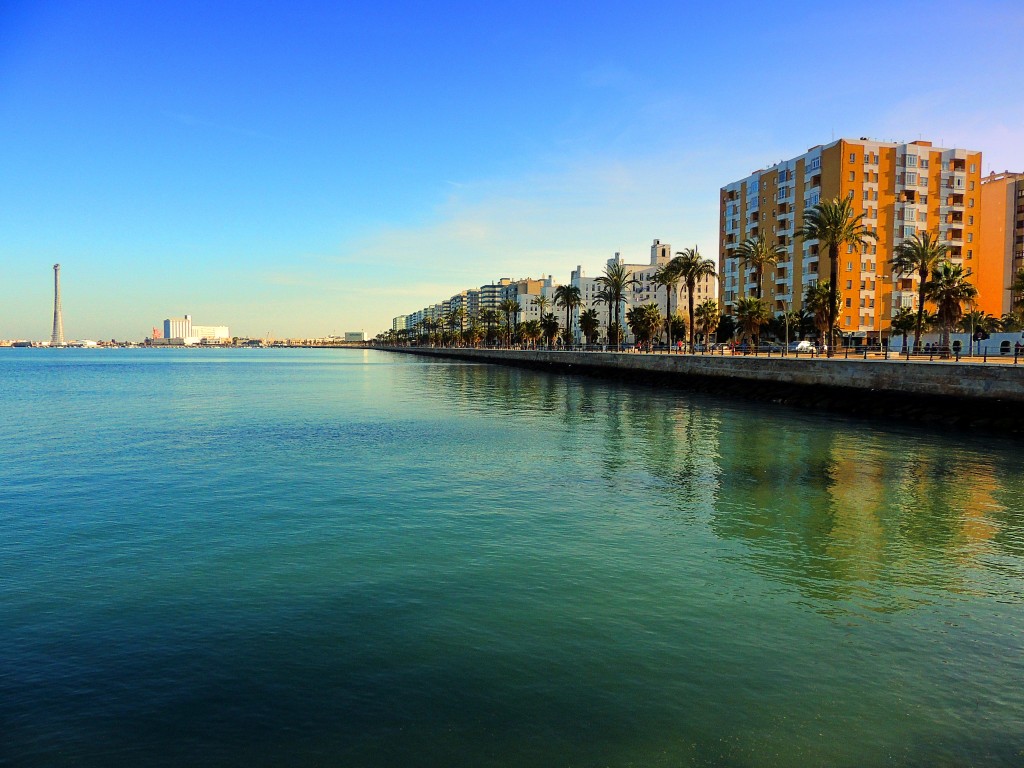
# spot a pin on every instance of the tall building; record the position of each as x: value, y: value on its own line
x: 902, y: 189
x: 178, y: 327
x: 57, y: 337
x: 1002, y: 240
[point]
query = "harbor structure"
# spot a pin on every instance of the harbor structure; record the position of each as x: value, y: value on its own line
x: 57, y: 337
x: 902, y: 189
x: 1002, y: 241
x: 182, y: 330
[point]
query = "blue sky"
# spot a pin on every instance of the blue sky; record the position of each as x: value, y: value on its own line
x: 308, y: 168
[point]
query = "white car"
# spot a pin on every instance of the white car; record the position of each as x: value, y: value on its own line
x: 801, y: 346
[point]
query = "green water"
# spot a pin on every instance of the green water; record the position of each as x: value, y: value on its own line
x: 361, y: 559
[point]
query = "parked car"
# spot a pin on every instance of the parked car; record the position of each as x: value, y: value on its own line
x: 801, y: 346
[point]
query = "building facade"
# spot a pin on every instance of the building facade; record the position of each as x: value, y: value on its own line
x: 1002, y: 240
x: 901, y: 188
x: 644, y: 292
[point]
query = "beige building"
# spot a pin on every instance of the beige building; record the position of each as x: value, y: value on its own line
x: 1002, y: 240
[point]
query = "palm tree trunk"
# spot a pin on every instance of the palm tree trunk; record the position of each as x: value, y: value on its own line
x: 689, y: 291
x: 833, y: 296
x: 668, y: 315
x: 920, y: 310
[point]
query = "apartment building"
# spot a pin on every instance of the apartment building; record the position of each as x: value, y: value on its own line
x: 902, y: 188
x: 1002, y: 240
x: 644, y: 292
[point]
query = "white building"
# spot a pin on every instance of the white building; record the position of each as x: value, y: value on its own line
x: 644, y: 292
x: 183, y: 329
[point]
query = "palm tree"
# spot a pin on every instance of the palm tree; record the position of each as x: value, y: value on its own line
x: 903, y: 322
x: 977, y: 323
x: 1010, y: 322
x: 457, y: 318
x: 509, y: 307
x: 751, y: 314
x: 920, y: 254
x: 604, y: 296
x: 667, y: 276
x: 693, y: 267
x: 542, y: 303
x: 474, y: 332
x: 568, y: 297
x: 489, y: 317
x: 949, y: 288
x: 833, y: 223
x: 644, y: 321
x: 706, y: 316
x: 817, y: 299
x: 589, y: 323
x: 549, y: 325
x: 759, y: 252
x: 530, y: 331
x: 1017, y: 289
x: 615, y: 280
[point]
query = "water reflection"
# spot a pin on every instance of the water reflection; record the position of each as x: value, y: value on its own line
x: 855, y: 516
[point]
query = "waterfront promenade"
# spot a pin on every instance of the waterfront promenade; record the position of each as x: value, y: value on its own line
x: 949, y: 392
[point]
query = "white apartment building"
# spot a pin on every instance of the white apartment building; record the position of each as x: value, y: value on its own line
x: 644, y: 292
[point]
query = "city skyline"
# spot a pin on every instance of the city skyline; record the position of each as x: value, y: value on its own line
x: 314, y: 170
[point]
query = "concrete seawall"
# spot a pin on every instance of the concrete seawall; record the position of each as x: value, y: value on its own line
x: 960, y: 394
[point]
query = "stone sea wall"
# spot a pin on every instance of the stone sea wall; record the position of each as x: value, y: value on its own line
x: 958, y: 394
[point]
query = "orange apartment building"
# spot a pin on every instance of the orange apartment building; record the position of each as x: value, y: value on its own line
x: 1002, y: 240
x: 902, y: 189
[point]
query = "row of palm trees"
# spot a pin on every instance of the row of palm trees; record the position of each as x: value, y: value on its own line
x: 832, y: 224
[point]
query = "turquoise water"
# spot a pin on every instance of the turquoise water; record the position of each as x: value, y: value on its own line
x: 348, y: 558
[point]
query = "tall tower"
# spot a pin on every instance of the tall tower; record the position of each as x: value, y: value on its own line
x: 57, y: 338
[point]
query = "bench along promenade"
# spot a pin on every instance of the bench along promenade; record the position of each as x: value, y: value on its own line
x: 944, y: 392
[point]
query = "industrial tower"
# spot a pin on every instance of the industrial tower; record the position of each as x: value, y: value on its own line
x: 57, y: 339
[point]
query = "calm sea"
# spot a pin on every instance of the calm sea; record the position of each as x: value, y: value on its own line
x: 348, y: 558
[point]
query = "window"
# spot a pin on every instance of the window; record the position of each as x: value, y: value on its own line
x: 970, y: 186
x: 875, y: 195
x: 910, y: 178
x: 866, y: 193
x: 849, y: 266
x: 970, y: 253
x: 909, y: 231
x: 924, y: 163
x: 974, y: 168
x: 970, y: 220
x: 815, y: 163
x: 846, y: 321
x: 849, y: 285
x: 970, y: 202
x: 970, y: 237
x: 922, y: 216
x: 853, y: 157
x: 911, y: 161
x: 849, y: 302
x: 853, y: 175
x: 849, y: 248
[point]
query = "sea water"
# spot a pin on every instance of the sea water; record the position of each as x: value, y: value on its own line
x: 357, y: 558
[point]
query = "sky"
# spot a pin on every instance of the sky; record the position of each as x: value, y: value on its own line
x: 308, y: 168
